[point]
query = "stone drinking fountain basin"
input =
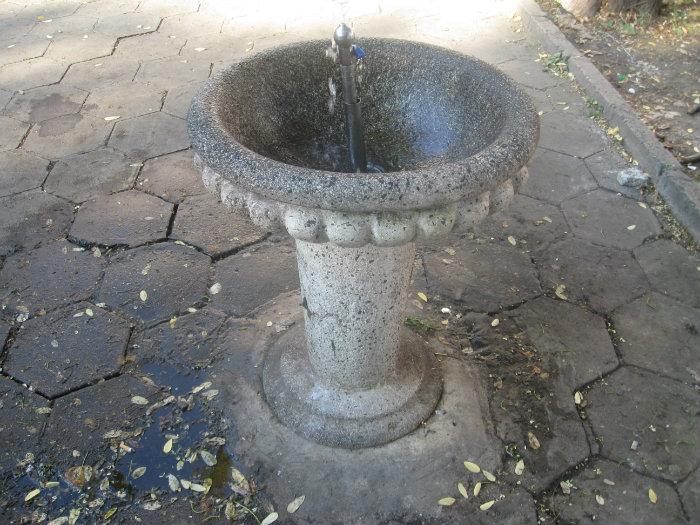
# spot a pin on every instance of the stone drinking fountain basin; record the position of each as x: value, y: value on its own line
x: 452, y: 136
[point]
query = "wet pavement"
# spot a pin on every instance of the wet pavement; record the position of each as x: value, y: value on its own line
x: 124, y: 288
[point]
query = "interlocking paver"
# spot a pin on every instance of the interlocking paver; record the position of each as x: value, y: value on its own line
x: 171, y: 177
x: 168, y: 7
x: 22, y: 417
x: 603, y: 278
x: 43, y: 103
x: 30, y: 218
x: 172, y: 278
x: 148, y: 47
x: 79, y: 420
x: 605, y: 492
x: 68, y: 349
x: 671, y: 270
x: 11, y: 133
x: 179, y: 98
x: 191, y: 25
x: 660, y: 334
x: 67, y: 135
x: 205, y: 223
x: 647, y: 422
x: 78, y: 48
x: 213, y: 48
x: 130, y: 218
x: 64, y: 26
x: 21, y: 171
x: 569, y: 338
x: 604, y: 166
x: 533, y: 224
x: 107, y: 8
x: 150, y: 135
x: 124, y: 100
x: 604, y: 218
x: 21, y: 48
x: 484, y: 277
x: 88, y: 175
x: 121, y: 25
x: 164, y: 73
x: 250, y: 279
x: 101, y: 72
x: 188, y: 344
x: 555, y: 177
x: 52, y: 275
x: 570, y: 134
x: 35, y: 72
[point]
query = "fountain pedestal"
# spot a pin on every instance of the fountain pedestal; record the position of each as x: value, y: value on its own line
x: 456, y: 133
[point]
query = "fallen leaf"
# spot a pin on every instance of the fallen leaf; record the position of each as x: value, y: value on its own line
x: 198, y: 487
x: 143, y: 295
x: 578, y: 397
x: 151, y: 505
x: 270, y: 518
x: 631, y: 227
x: 512, y: 240
x: 565, y: 487
x: 446, y: 502
x: 477, y: 488
x: 168, y: 446
x: 462, y: 490
x: 496, y: 322
x: 201, y: 387
x: 472, y: 467
x: 240, y: 484
x: 295, y: 504
x: 600, y: 499
x: 519, y: 467
x: 450, y: 251
x: 173, y: 483
x: 215, y: 288
x: 488, y: 475
x: 559, y: 292
x: 208, y: 457
x: 111, y: 118
x: 641, y: 205
x: 210, y: 394
x: 138, y: 472
x: 534, y: 442
x: 32, y: 494
x: 89, y: 312
x: 422, y: 297
x: 652, y: 496
x: 138, y: 400
x: 73, y: 516
x: 185, y: 484
x: 487, y: 505
x: 111, y: 512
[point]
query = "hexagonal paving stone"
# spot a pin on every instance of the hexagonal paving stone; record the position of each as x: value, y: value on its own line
x: 604, y: 218
x: 22, y: 416
x: 169, y: 7
x: 21, y: 171
x: 124, y: 101
x: 625, y: 497
x: 603, y: 278
x: 191, y: 24
x: 31, y: 73
x: 530, y: 74
x: 555, y: 177
x: 66, y: 135
x: 659, y: 414
x: 165, y: 73
x: 661, y: 335
x: 671, y: 270
x: 573, y: 340
x: 77, y: 48
x: 101, y: 72
x: 250, y: 279
x: 49, y: 276
x: 689, y: 491
x: 179, y: 98
x: 80, y: 420
x: 484, y: 277
x: 528, y: 221
x: 604, y: 167
x: 171, y: 177
x: 46, y: 102
x: 64, y: 27
x: 177, y: 349
x: 209, y: 225
x: 150, y: 135
x: 11, y: 133
x: 89, y: 175
x: 569, y: 134
x: 127, y: 24
x: 173, y: 277
x: 130, y: 218
x: 148, y: 47
x: 30, y: 218
x: 22, y: 48
x: 60, y: 352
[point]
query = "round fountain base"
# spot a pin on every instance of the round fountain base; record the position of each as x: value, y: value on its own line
x: 350, y: 418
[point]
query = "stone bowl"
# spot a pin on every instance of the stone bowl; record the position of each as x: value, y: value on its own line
x: 452, y: 133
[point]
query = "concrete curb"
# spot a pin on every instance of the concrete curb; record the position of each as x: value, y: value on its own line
x: 680, y: 192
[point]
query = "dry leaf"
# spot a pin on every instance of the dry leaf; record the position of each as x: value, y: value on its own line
x: 210, y: 394
x: 487, y: 505
x: 446, y: 502
x: 472, y: 467
x: 559, y: 292
x: 512, y: 240
x: 631, y: 227
x: 422, y: 297
x: 32, y: 494
x: 151, y: 505
x: 185, y: 484
x: 111, y: 512
x: 168, y: 446
x: 495, y: 322
x: 89, y: 312
x: 600, y: 499
x: 215, y: 288
x: 138, y: 472
x: 143, y: 295
x: 111, y: 118
x: 173, y: 483
x: 462, y: 490
x: 138, y: 400
x: 240, y: 484
x: 652, y: 496
x: 519, y: 467
x: 295, y: 504
x: 565, y: 487
x: 73, y: 516
x: 534, y: 442
x: 488, y: 475
x: 197, y: 487
x: 201, y: 387
x: 477, y: 488
x: 450, y: 251
x: 208, y: 457
x: 270, y: 518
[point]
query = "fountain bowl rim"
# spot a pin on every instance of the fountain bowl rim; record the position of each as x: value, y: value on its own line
x: 439, y: 184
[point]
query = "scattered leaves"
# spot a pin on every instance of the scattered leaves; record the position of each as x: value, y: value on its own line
x: 208, y: 458
x: 270, y: 518
x: 472, y: 467
x: 138, y: 472
x: 422, y: 297
x: 534, y: 442
x: 477, y: 488
x: 600, y: 499
x: 143, y: 295
x: 559, y: 292
x: 519, y: 467
x: 652, y: 496
x: 462, y: 490
x: 488, y: 475
x: 487, y: 505
x: 32, y: 494
x: 168, y: 446
x: 446, y: 502
x: 111, y: 512
x: 173, y: 483
x: 295, y: 504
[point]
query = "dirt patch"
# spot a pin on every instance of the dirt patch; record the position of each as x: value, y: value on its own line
x: 654, y: 64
